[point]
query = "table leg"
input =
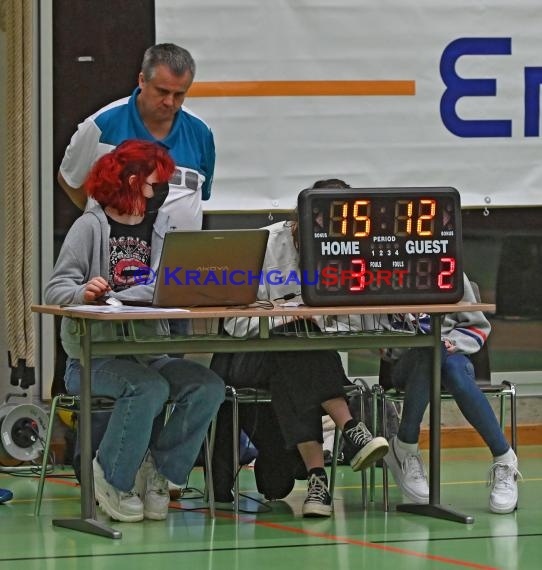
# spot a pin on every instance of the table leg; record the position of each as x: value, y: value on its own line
x: 434, y: 508
x: 87, y: 522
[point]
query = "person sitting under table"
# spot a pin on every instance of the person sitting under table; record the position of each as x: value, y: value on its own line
x: 462, y: 334
x: 139, y: 453
x: 303, y: 385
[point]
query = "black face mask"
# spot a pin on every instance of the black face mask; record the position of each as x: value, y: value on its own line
x: 161, y: 190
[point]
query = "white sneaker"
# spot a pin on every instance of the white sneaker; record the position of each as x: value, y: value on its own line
x: 409, y: 474
x: 120, y: 506
x: 504, y: 487
x: 153, y: 489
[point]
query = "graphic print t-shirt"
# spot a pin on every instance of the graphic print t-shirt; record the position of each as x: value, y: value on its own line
x: 129, y: 252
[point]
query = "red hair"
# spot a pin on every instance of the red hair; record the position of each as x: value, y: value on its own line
x: 108, y: 180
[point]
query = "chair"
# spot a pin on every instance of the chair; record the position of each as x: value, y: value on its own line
x: 68, y: 404
x: 482, y: 372
x: 240, y: 396
x: 350, y: 390
x: 104, y: 404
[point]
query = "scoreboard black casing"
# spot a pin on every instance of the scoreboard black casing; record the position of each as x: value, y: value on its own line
x: 380, y: 246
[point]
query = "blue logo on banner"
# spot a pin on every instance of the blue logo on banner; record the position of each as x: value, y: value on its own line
x: 458, y: 87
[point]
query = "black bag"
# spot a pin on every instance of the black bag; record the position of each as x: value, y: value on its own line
x: 276, y: 467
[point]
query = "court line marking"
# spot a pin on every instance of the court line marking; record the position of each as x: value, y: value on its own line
x: 350, y: 541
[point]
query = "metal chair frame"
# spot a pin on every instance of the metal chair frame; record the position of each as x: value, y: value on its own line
x: 69, y: 404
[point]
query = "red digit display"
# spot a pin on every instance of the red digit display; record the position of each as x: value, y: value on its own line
x: 446, y: 274
x: 359, y: 275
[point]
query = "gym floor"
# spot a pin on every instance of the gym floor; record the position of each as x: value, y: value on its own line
x: 275, y: 534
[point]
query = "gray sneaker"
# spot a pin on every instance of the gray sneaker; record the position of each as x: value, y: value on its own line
x: 153, y: 490
x: 409, y: 474
x: 120, y: 506
x: 504, y: 487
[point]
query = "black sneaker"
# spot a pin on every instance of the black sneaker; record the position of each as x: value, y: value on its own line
x: 318, y: 501
x: 363, y: 447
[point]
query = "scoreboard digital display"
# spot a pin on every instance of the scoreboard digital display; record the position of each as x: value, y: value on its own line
x: 371, y: 246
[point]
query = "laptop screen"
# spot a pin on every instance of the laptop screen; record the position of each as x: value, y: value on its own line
x: 210, y: 268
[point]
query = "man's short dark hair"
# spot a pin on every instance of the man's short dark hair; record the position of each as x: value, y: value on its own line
x: 176, y: 58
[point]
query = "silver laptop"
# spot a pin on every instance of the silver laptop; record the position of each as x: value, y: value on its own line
x: 209, y: 268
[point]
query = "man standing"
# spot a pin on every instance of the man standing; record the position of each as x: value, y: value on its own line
x: 153, y: 112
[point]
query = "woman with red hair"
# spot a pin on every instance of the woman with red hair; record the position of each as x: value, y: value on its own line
x: 104, y: 252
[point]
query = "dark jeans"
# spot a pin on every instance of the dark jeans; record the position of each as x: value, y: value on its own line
x: 413, y: 374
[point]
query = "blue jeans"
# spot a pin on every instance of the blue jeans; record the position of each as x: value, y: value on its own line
x: 413, y: 374
x: 137, y: 420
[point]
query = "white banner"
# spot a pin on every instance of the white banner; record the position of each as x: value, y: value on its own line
x: 377, y: 92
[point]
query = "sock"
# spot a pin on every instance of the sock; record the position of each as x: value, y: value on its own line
x: 403, y: 449
x: 508, y: 457
x: 352, y: 423
x: 320, y: 472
